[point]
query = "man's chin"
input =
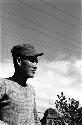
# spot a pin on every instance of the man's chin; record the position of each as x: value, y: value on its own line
x: 31, y: 76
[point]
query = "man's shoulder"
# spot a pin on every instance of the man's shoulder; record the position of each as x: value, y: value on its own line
x: 2, y: 84
x: 2, y: 80
x: 5, y: 82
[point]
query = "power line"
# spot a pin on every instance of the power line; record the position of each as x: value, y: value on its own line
x: 40, y: 25
x: 11, y: 34
x: 64, y: 48
x: 52, y: 31
x: 33, y: 29
x: 60, y: 10
x: 53, y: 16
x: 15, y: 35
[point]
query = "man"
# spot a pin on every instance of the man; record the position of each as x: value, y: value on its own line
x: 17, y: 98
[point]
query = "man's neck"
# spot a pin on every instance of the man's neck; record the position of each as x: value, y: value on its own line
x: 19, y: 78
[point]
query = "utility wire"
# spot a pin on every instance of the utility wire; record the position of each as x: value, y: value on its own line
x: 16, y: 35
x: 61, y: 47
x: 53, y: 16
x: 41, y: 26
x: 56, y: 59
x: 33, y: 29
x: 58, y: 9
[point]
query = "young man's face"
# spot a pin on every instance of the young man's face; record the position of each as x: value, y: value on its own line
x: 29, y: 66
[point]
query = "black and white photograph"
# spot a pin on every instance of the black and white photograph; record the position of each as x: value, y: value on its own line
x: 40, y: 62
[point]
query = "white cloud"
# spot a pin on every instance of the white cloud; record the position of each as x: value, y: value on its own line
x: 51, y: 79
x: 6, y: 69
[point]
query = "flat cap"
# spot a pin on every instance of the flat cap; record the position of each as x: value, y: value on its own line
x: 24, y: 50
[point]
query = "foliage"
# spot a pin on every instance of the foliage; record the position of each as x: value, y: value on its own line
x: 70, y: 110
x: 66, y: 112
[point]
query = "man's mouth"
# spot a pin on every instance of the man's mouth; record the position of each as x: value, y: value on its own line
x: 33, y: 71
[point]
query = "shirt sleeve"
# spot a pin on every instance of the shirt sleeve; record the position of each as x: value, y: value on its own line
x: 2, y: 93
x: 2, y: 88
x: 36, y: 117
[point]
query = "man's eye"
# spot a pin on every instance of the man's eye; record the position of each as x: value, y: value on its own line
x: 31, y: 59
x: 34, y: 60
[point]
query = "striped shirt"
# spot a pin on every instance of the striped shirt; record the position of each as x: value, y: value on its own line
x: 17, y: 104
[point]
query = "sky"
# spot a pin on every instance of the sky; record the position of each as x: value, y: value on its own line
x: 53, y: 27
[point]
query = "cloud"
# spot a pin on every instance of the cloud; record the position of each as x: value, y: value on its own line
x: 6, y: 69
x: 61, y: 73
x: 52, y: 78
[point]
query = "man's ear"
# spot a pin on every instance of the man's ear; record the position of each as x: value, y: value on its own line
x: 19, y: 61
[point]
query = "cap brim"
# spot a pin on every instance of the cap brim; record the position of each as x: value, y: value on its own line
x: 39, y: 54
x: 34, y: 55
